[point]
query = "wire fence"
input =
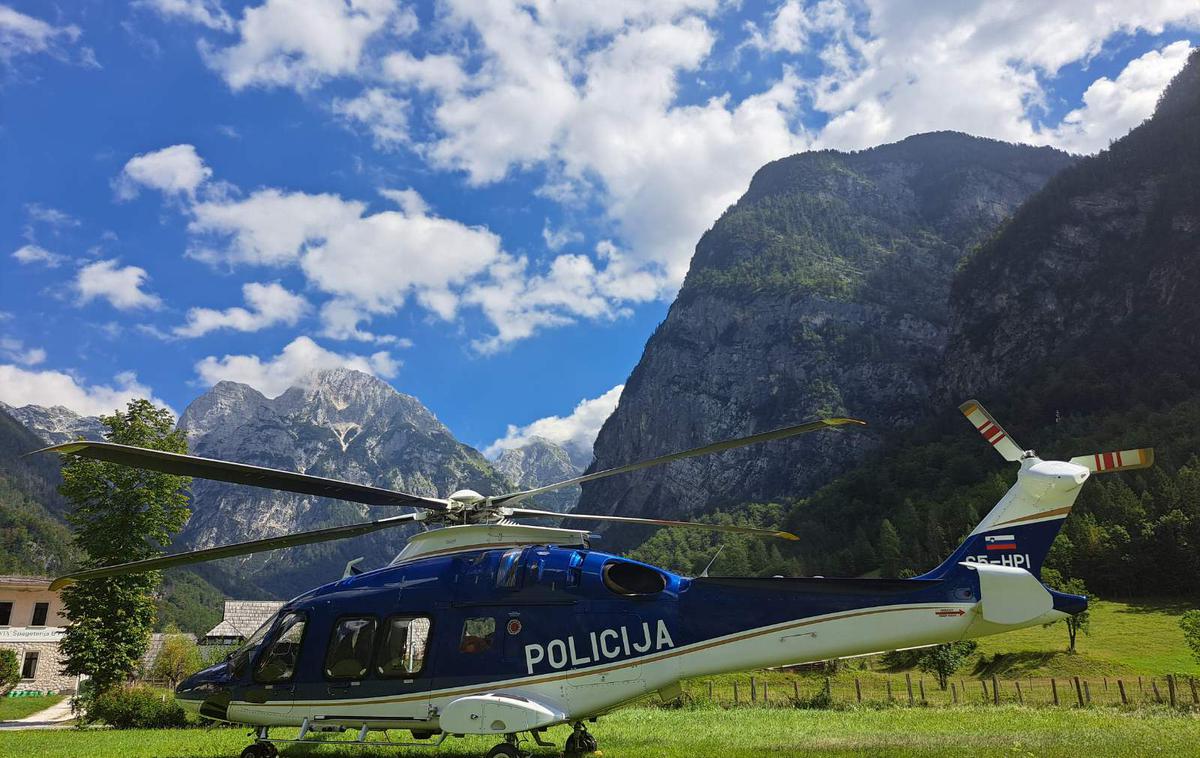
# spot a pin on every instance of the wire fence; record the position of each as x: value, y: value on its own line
x: 1175, y: 691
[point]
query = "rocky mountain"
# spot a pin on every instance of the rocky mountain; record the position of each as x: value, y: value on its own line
x: 32, y: 535
x: 539, y: 462
x: 56, y: 424
x: 338, y: 423
x: 824, y: 290
x: 1091, y: 293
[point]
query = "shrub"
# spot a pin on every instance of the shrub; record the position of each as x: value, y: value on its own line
x: 137, y: 708
x: 10, y: 670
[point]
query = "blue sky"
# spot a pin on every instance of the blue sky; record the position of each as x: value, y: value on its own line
x: 488, y: 204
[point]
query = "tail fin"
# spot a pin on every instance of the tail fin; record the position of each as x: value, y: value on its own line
x: 1019, y: 530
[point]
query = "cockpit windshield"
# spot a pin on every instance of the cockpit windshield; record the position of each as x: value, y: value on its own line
x: 241, y: 656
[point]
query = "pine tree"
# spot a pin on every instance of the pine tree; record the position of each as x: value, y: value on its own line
x: 120, y: 514
x: 889, y: 549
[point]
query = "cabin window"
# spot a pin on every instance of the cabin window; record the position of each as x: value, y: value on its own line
x: 633, y: 579
x: 402, y: 651
x: 350, y: 646
x: 278, y: 662
x: 5, y: 613
x: 29, y: 669
x: 40, y: 611
x: 477, y: 634
x: 508, y: 571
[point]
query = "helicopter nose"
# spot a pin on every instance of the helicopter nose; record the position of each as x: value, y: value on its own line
x: 203, y: 695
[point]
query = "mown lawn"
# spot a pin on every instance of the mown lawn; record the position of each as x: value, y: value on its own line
x: 744, y: 733
x: 12, y: 708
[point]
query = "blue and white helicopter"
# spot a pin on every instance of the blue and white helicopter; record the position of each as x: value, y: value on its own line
x: 488, y: 626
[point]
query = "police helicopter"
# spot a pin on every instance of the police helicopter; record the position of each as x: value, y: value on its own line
x: 488, y: 626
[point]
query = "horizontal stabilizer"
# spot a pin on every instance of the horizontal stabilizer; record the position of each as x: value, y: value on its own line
x: 1121, y: 460
x: 991, y: 431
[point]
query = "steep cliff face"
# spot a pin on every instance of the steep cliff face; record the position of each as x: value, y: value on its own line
x: 1090, y: 297
x: 342, y: 424
x: 56, y: 424
x: 824, y: 290
x: 537, y: 463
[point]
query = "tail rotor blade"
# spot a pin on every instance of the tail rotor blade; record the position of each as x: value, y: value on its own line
x: 753, y: 531
x: 241, y: 473
x: 991, y: 431
x: 716, y: 447
x: 239, y: 548
x: 1121, y: 460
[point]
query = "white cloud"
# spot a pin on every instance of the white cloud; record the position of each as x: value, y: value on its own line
x: 575, y: 432
x: 120, y: 286
x: 299, y: 43
x: 298, y: 358
x: 27, y: 254
x: 439, y: 73
x: 910, y: 66
x: 385, y: 116
x: 48, y: 388
x: 557, y: 239
x: 1113, y: 107
x: 269, y: 305
x: 52, y: 217
x: 789, y: 27
x: 25, y: 35
x: 207, y: 13
x: 174, y: 170
x: 270, y: 227
x: 15, y: 350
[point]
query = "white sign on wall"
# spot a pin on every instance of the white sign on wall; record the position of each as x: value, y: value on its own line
x: 31, y: 633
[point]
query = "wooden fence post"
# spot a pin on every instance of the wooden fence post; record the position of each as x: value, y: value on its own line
x: 710, y: 689
x: 908, y: 684
x: 766, y: 694
x: 1106, y: 684
x: 1087, y: 692
x: 1054, y: 689
x: 889, y: 688
x: 1124, y: 697
x: 953, y: 693
x: 829, y: 688
x: 983, y: 685
x: 995, y: 690
x: 1171, y: 689
x: 1079, y: 692
x: 1157, y: 694
x: 921, y: 684
x: 796, y: 689
x: 1195, y: 692
x: 1020, y: 697
x: 735, y: 692
x: 857, y: 689
x: 1140, y: 687
x: 753, y: 690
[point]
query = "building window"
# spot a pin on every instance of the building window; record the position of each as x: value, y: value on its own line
x: 5, y: 613
x: 349, y: 655
x: 40, y: 611
x: 29, y: 670
x: 278, y: 662
x: 477, y: 634
x: 405, y: 640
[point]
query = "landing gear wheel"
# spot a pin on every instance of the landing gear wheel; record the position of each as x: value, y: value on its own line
x: 580, y: 743
x: 506, y: 750
x: 260, y: 750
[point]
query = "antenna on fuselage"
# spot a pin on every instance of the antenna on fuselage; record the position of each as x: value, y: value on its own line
x: 711, y: 561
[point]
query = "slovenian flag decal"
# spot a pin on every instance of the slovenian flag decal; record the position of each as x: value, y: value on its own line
x: 1001, y: 542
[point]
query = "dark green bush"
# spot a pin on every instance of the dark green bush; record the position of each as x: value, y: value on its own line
x: 137, y: 708
x: 10, y: 669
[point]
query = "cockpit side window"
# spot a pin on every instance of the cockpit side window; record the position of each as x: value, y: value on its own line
x: 278, y: 662
x: 350, y: 647
x: 240, y: 657
x: 477, y: 634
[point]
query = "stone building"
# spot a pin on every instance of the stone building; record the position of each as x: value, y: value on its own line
x: 241, y: 618
x: 32, y: 624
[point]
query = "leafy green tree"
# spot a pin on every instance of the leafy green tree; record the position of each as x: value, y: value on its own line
x: 178, y: 659
x: 1080, y: 622
x: 10, y: 670
x: 1190, y: 623
x: 889, y: 549
x: 943, y: 660
x: 120, y: 514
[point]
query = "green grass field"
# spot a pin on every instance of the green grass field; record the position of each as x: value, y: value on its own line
x: 12, y: 708
x: 745, y: 733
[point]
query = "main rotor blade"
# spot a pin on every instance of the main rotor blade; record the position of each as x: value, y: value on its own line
x: 716, y: 447
x: 242, y: 473
x: 238, y: 548
x: 530, y: 513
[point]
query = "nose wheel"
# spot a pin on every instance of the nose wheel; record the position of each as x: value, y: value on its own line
x: 260, y: 750
x: 508, y: 749
x: 581, y: 742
